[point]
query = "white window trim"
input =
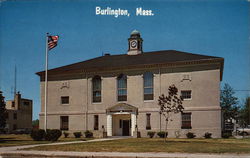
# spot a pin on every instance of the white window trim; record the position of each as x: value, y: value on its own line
x: 187, y: 99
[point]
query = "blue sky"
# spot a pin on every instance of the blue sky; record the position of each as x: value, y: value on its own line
x: 209, y: 27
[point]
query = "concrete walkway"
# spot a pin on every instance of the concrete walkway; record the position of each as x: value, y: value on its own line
x: 17, y: 152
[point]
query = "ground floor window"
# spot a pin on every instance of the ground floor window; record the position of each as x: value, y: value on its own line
x: 96, y: 122
x: 148, y: 125
x: 14, y: 127
x: 7, y: 115
x: 15, y: 116
x: 64, y: 122
x: 186, y: 121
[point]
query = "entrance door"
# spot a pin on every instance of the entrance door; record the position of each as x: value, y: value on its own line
x: 125, y: 127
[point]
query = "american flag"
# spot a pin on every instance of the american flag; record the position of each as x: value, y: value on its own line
x: 52, y: 41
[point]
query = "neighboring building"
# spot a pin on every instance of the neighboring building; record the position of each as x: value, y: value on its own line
x: 19, y: 114
x: 120, y: 92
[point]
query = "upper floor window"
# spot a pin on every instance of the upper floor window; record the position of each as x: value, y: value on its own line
x: 148, y: 80
x: 122, y: 87
x: 97, y: 89
x: 26, y: 103
x: 65, y: 100
x: 13, y: 104
x: 186, y: 94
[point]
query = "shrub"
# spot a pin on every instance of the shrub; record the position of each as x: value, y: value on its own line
x: 190, y: 135
x: 53, y: 134
x: 37, y: 134
x: 77, y: 134
x: 241, y: 133
x: 151, y: 134
x: 208, y: 135
x: 88, y: 134
x: 66, y: 134
x: 161, y: 134
x: 226, y: 134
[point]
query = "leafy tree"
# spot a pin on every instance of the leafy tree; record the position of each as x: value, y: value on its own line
x: 228, y: 103
x: 2, y: 111
x: 244, y: 113
x: 170, y: 104
x: 35, y: 123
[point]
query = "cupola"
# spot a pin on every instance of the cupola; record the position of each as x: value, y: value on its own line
x: 135, y: 43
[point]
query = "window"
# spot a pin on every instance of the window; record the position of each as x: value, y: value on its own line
x: 96, y: 122
x: 65, y: 100
x: 120, y: 123
x: 186, y: 121
x: 97, y: 89
x: 7, y: 115
x: 13, y: 104
x: 122, y: 88
x: 148, y: 126
x: 15, y: 116
x: 186, y: 94
x: 148, y: 80
x: 26, y: 103
x: 14, y: 127
x: 64, y: 123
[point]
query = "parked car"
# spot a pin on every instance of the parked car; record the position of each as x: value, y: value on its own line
x: 243, y: 131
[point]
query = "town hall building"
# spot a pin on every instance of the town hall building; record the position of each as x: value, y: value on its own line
x: 119, y: 93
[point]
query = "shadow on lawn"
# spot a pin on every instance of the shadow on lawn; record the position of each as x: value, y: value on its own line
x: 185, y: 141
x: 11, y: 139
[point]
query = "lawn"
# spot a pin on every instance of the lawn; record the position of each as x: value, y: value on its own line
x: 158, y: 145
x: 24, y: 139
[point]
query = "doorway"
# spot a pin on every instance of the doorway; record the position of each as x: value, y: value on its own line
x: 125, y: 127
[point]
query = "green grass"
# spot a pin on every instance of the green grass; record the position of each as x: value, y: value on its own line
x: 158, y: 145
x: 24, y: 139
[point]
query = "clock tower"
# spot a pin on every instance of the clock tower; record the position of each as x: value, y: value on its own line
x: 135, y: 43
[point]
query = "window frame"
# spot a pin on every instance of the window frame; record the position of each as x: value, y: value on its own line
x: 14, y: 116
x: 148, y: 121
x: 96, y: 122
x: 63, y: 100
x: 120, y: 98
x: 187, y: 123
x: 186, y: 91
x: 148, y: 87
x: 96, y: 99
x: 62, y: 124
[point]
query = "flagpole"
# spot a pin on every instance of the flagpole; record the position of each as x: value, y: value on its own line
x: 46, y: 84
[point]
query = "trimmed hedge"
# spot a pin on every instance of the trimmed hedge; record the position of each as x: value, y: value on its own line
x: 208, y: 135
x: 77, y: 134
x: 161, y: 134
x: 190, y: 135
x: 151, y: 134
x: 53, y: 134
x: 88, y: 134
x: 37, y: 134
x: 66, y: 134
x: 226, y: 134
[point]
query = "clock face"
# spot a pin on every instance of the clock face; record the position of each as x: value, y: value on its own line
x: 133, y: 44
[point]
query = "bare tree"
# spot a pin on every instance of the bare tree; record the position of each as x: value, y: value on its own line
x: 170, y: 104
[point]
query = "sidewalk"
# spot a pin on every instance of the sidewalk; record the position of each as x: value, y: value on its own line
x: 16, y: 152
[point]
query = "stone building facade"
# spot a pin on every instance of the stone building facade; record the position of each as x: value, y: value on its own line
x: 119, y: 93
x: 19, y: 114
